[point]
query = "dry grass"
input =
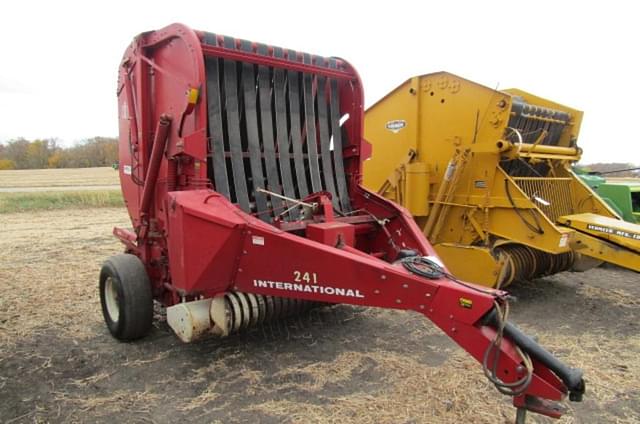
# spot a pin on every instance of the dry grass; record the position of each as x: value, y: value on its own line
x: 33, y: 201
x: 414, y: 392
x: 58, y: 177
x: 134, y: 403
x: 212, y: 392
x: 49, y: 263
x: 319, y: 374
x: 611, y: 364
x: 614, y: 296
x: 91, y: 380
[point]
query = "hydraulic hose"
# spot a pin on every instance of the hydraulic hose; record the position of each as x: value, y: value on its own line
x: 571, y: 377
x: 157, y: 150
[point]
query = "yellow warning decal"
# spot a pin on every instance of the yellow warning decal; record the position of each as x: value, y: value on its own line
x: 465, y: 303
x: 192, y: 96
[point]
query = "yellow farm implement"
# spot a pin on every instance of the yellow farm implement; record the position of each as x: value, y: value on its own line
x: 486, y: 175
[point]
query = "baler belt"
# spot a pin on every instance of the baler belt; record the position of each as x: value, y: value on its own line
x: 296, y: 140
x: 325, y: 141
x: 253, y: 137
x: 336, y: 130
x: 216, y: 132
x: 310, y: 128
x: 233, y: 130
x: 282, y: 135
x: 245, y: 102
x: 531, y: 121
x: 264, y: 91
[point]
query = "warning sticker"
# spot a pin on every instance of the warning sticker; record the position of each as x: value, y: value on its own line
x: 563, y: 240
x: 396, y: 125
x: 257, y: 240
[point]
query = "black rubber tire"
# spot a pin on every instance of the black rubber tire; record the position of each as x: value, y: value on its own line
x: 134, y: 297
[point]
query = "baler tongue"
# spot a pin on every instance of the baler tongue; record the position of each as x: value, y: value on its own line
x: 604, y: 238
x: 279, y: 135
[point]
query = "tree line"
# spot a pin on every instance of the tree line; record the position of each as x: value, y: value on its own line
x: 35, y: 154
x: 613, y: 169
x: 103, y: 151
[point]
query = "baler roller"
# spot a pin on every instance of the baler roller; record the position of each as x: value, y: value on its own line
x: 524, y: 263
x: 232, y: 312
x: 245, y: 310
x: 531, y: 120
x: 533, y: 124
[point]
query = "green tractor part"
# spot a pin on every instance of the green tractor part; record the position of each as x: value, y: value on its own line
x: 621, y: 194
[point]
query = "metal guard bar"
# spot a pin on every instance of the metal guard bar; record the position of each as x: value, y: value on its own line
x: 281, y: 63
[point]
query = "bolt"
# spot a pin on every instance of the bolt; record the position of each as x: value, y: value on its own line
x: 405, y: 286
x: 421, y: 306
x: 244, y: 252
x: 450, y: 316
x: 398, y: 301
x: 384, y: 277
x: 376, y: 291
x: 239, y: 269
x: 453, y: 330
x: 428, y: 295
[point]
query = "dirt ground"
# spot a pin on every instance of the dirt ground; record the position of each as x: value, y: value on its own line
x: 342, y: 364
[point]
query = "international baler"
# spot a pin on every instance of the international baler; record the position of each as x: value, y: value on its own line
x: 240, y: 166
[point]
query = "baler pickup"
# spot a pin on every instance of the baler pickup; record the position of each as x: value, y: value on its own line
x: 240, y: 166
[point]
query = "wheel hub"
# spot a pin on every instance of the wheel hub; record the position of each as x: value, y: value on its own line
x: 111, y: 300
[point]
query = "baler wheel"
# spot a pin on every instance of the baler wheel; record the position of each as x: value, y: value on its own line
x: 126, y: 298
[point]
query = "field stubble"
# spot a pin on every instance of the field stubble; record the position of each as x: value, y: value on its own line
x: 65, y: 177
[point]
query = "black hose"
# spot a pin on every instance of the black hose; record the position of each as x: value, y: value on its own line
x: 423, y: 267
x: 571, y: 377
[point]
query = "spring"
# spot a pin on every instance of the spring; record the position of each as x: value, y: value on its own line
x: 524, y: 263
x: 237, y: 311
x: 171, y: 175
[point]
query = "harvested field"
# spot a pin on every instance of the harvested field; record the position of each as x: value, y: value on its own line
x: 28, y: 179
x: 41, y: 200
x: 334, y: 365
x: 46, y: 189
